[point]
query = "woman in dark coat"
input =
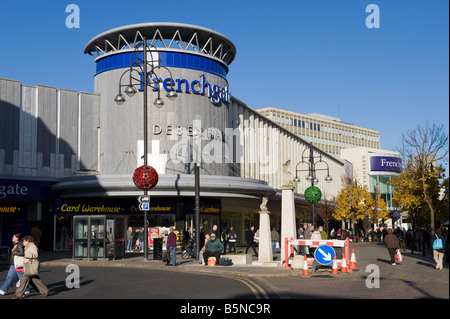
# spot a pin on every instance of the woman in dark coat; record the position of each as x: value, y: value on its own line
x: 392, y: 244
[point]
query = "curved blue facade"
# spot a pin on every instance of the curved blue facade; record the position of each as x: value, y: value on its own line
x: 167, y: 59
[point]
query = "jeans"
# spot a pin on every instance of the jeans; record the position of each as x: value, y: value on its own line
x: 10, y: 277
x: 173, y: 251
x: 274, y: 246
x: 129, y: 244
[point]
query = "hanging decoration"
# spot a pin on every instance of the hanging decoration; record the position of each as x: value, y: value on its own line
x: 313, y: 194
x: 145, y: 177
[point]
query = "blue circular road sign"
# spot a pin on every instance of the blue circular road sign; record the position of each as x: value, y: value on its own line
x: 324, y: 254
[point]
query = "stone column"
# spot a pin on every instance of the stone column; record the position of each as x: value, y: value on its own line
x: 288, y: 227
x: 265, y: 256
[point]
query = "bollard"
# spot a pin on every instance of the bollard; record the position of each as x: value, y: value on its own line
x: 286, y: 255
x: 292, y: 248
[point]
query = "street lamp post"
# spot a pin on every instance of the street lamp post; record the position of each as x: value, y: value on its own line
x: 130, y: 91
x: 313, y: 192
x: 197, y: 157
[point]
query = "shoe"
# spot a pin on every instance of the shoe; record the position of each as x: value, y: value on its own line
x: 393, y: 264
x: 2, y: 292
x: 45, y: 294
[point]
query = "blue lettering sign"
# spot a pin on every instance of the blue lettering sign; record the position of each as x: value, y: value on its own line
x: 215, y: 93
x: 386, y: 164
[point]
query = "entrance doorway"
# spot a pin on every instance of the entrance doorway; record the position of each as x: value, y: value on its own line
x: 99, y: 237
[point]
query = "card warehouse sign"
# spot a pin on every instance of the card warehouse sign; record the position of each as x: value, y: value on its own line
x: 130, y: 207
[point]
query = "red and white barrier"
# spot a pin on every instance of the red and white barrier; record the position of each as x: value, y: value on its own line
x: 290, y: 243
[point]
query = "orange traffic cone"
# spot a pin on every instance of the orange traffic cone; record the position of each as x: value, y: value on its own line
x: 305, y: 267
x: 344, y: 268
x: 353, y: 260
x: 334, y: 268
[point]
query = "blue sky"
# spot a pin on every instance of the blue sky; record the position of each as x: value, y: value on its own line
x: 304, y: 55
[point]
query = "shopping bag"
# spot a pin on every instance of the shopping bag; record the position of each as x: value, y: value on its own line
x: 18, y: 262
x: 211, y: 261
x: 399, y: 257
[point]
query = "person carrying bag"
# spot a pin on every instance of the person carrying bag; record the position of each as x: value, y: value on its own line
x: 438, y: 249
x: 16, y: 263
x: 31, y: 270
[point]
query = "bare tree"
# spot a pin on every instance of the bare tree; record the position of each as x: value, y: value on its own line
x: 425, y: 147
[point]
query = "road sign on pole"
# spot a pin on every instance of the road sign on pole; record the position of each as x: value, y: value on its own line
x: 144, y: 206
x: 143, y: 199
x: 324, y: 254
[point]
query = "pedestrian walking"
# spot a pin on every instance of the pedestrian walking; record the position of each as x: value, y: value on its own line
x: 129, y: 239
x: 392, y: 244
x: 438, y: 248
x: 172, y: 246
x: 308, y: 232
x: 232, y: 237
x: 31, y: 255
x: 301, y: 235
x: 18, y: 251
x: 224, y: 240
x: 141, y: 237
x: 323, y: 234
x: 250, y: 240
x: 275, y: 237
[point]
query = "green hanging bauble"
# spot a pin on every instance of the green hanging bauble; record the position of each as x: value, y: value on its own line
x: 313, y: 194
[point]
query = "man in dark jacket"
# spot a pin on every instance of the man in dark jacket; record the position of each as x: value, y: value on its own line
x: 250, y: 240
x: 213, y: 249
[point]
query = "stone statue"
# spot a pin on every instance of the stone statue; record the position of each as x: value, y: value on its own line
x: 287, y: 175
x: 263, y: 206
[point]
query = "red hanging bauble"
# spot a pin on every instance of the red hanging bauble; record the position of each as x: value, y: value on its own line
x: 145, y: 177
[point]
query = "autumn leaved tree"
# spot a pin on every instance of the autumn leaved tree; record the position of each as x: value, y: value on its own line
x: 353, y: 202
x: 380, y: 210
x: 418, y: 187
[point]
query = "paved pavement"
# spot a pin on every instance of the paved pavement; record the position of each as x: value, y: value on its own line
x: 415, y: 278
x: 415, y: 267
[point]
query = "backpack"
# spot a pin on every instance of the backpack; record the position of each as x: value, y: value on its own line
x: 437, y: 243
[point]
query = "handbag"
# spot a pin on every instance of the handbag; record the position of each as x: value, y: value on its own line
x: 437, y: 243
x: 31, y: 268
x: 18, y: 261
